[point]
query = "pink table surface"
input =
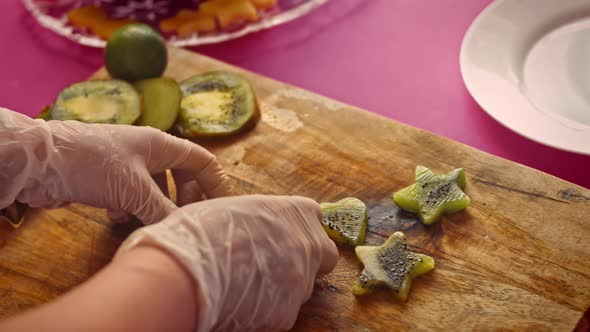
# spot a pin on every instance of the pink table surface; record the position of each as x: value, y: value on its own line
x: 396, y: 58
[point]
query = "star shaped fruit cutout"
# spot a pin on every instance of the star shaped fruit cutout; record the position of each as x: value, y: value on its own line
x: 390, y: 265
x: 433, y: 195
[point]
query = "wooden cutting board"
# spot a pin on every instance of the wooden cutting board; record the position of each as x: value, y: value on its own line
x: 517, y: 259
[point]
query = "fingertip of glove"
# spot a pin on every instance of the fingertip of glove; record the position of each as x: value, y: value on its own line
x: 306, y: 202
x: 310, y: 205
x: 330, y: 256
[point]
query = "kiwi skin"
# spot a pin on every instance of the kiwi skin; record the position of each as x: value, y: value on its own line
x: 253, y: 119
x: 183, y: 131
x: 45, y: 113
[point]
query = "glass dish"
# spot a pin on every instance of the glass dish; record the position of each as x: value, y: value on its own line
x: 52, y: 15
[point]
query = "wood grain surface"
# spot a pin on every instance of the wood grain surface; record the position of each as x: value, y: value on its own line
x: 517, y: 259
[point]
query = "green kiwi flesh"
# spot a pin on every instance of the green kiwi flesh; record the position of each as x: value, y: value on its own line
x: 390, y: 265
x: 161, y: 102
x: 433, y: 195
x: 345, y: 221
x: 216, y: 104
x: 99, y: 101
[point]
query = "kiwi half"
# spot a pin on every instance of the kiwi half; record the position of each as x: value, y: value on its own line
x: 345, y: 221
x: 390, y: 265
x: 434, y: 195
x: 99, y: 101
x: 216, y: 104
x: 161, y: 102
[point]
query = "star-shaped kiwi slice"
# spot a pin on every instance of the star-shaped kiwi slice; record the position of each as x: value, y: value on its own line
x: 433, y: 195
x: 345, y: 221
x: 390, y: 265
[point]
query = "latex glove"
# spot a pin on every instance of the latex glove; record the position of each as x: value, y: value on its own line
x: 253, y: 258
x: 47, y: 164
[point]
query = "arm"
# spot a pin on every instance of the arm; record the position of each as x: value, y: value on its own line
x: 216, y: 265
x: 141, y: 290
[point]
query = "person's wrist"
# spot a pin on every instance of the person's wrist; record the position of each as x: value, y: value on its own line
x: 177, y: 237
x: 148, y: 261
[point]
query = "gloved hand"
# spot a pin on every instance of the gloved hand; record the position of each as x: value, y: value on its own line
x: 253, y: 258
x: 47, y: 164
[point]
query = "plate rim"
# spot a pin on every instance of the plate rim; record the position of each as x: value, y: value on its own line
x: 467, y: 38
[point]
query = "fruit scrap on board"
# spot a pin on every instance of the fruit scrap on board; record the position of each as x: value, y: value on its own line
x: 390, y: 265
x: 14, y: 214
x: 345, y: 221
x: 433, y: 195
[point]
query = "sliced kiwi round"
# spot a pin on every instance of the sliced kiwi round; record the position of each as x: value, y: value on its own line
x: 345, y: 221
x: 99, y: 101
x: 161, y: 102
x: 216, y: 104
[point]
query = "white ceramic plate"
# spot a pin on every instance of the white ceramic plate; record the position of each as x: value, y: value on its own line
x: 527, y: 64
